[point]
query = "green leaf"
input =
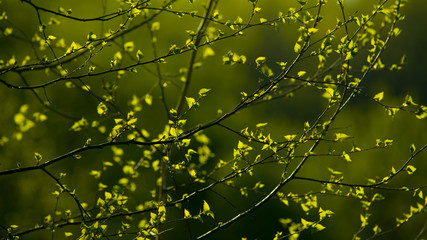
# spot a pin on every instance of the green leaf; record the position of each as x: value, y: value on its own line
x: 306, y: 224
x: 207, y: 210
x: 379, y: 96
x: 259, y: 61
x: 333, y: 172
x: 51, y: 37
x: 329, y: 93
x: 91, y: 68
x: 187, y: 214
x: 206, y: 206
x: 8, y: 31
x: 325, y: 213
x: 148, y: 99
x: 364, y: 220
x: 318, y: 227
x: 302, y: 2
x: 190, y: 101
x: 289, y: 137
x: 203, y: 91
x: 297, y: 48
x: 340, y: 136
x: 208, y: 52
x: 139, y: 55
x: 421, y: 113
x: 91, y: 37
x: 108, y: 195
x: 412, y: 149
x: 392, y: 111
x: 410, y: 169
x: 312, y: 30
x: 408, y: 100
x: 14, y: 226
x: 129, y: 46
x: 155, y: 26
x: 102, y: 108
x: 306, y: 126
x: 346, y: 156
x: 38, y: 157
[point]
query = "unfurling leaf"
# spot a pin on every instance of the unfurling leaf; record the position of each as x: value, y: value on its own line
x: 259, y: 61
x: 421, y: 113
x: 139, y: 55
x: 38, y: 157
x: 410, y: 169
x: 412, y: 149
x: 102, y: 108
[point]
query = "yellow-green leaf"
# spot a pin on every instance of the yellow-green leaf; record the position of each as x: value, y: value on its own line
x: 155, y: 26
x: 364, y: 220
x: 186, y: 214
x: 412, y: 148
x: 410, y: 169
x: 102, y: 108
x: 259, y: 61
x: 208, y: 52
x: 346, y: 157
x: 203, y: 91
x: 190, y: 101
x: 148, y: 99
x: 341, y: 136
x: 379, y: 96
x: 290, y: 137
x: 297, y: 48
x: 129, y: 46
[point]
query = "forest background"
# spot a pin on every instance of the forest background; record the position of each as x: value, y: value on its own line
x: 26, y: 198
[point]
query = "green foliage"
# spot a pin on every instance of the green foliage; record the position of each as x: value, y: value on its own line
x: 132, y: 118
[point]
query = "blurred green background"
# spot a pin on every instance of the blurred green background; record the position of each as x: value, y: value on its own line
x: 26, y: 198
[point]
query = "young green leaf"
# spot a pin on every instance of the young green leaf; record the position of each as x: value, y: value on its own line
x: 410, y: 169
x: 139, y: 55
x: 203, y: 91
x: 340, y: 136
x: 421, y: 113
x: 297, y: 48
x: 102, y: 108
x: 38, y: 157
x: 190, y: 101
x: 187, y: 214
x: 379, y: 96
x: 412, y: 149
x: 259, y: 61
x: 207, y: 210
x: 208, y: 52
